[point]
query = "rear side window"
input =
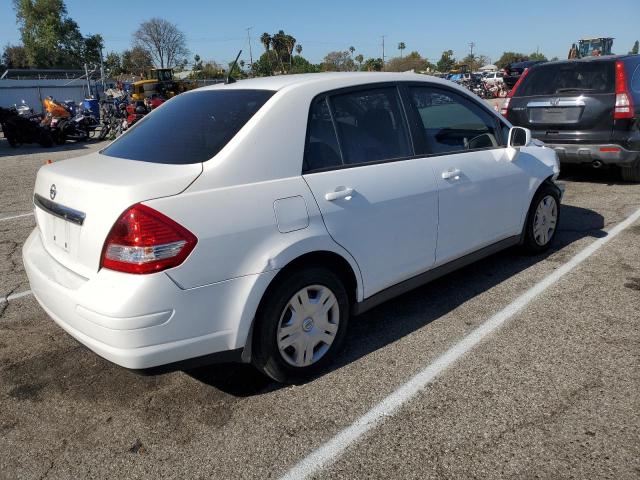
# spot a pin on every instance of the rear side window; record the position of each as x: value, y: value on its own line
x: 568, y: 78
x: 321, y: 150
x: 371, y: 125
x: 635, y: 80
x: 190, y: 128
x: 453, y: 123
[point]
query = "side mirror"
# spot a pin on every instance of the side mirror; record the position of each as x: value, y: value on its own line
x: 518, y: 137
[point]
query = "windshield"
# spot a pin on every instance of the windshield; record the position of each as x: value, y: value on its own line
x: 569, y: 78
x: 190, y: 128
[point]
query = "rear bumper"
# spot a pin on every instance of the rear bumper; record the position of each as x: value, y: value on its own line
x: 609, y: 154
x: 141, y: 321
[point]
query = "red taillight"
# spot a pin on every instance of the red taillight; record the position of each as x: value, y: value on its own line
x: 144, y: 240
x: 624, y: 103
x: 505, y: 106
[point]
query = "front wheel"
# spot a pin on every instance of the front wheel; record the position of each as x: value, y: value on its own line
x: 542, y: 220
x: 301, y: 325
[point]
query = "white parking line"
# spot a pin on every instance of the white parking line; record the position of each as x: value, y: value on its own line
x: 15, y: 296
x: 328, y: 452
x: 2, y: 219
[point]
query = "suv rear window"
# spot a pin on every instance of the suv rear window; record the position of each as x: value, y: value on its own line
x: 190, y: 128
x: 569, y: 78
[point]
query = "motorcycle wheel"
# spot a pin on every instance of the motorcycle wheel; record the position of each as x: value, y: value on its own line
x: 44, y: 139
x: 12, y: 141
x: 104, y: 131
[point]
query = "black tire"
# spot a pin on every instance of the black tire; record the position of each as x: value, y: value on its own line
x: 44, y: 139
x: 631, y: 173
x: 529, y: 244
x: 266, y: 355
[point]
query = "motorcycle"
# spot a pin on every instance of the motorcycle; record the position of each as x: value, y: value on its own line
x: 19, y: 129
x: 65, y: 124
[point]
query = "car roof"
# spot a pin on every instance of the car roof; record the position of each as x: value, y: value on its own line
x: 604, y: 58
x: 325, y: 80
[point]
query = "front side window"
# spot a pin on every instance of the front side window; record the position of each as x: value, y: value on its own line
x: 452, y: 123
x: 371, y: 125
x: 190, y: 128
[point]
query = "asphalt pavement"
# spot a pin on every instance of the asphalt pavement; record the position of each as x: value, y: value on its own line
x: 554, y: 393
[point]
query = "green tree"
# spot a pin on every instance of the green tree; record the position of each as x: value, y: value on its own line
x: 302, y: 65
x: 352, y: 50
x: 372, y: 65
x: 510, y: 57
x: 263, y: 66
x: 51, y: 38
x: 359, y: 58
x: 299, y: 49
x: 446, y: 62
x: 113, y: 64
x: 14, y: 56
x: 197, y: 63
x: 538, y: 57
x: 163, y: 41
x: 636, y: 47
x: 401, y: 47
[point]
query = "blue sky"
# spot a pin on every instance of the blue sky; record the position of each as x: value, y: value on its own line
x: 216, y: 30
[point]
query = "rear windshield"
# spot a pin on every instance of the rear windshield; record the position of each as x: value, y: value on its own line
x: 190, y: 128
x: 568, y: 78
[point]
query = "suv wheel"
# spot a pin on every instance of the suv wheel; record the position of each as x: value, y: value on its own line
x: 542, y: 220
x: 631, y: 173
x: 301, y: 325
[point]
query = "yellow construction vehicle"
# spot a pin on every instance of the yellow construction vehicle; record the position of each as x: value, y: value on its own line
x: 159, y: 81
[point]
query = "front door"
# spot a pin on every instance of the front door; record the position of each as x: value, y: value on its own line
x: 482, y: 194
x: 377, y: 203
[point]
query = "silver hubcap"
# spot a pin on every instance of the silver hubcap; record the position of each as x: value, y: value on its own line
x: 544, y: 223
x: 308, y: 325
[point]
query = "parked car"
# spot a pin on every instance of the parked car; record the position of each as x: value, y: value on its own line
x: 492, y: 78
x: 513, y: 71
x: 249, y: 221
x: 587, y: 109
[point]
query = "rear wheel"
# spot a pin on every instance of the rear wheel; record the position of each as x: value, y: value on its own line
x: 301, y: 325
x: 542, y: 220
x: 631, y: 173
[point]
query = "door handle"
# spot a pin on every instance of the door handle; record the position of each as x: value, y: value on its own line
x: 454, y: 174
x: 345, y: 192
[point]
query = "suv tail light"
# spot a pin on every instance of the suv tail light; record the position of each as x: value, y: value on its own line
x: 144, y: 240
x: 624, y: 104
x: 505, y: 106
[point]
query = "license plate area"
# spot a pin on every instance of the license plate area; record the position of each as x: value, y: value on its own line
x: 61, y: 233
x: 555, y: 115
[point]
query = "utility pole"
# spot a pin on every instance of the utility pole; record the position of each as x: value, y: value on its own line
x: 471, y: 45
x: 250, y: 53
x: 383, y: 50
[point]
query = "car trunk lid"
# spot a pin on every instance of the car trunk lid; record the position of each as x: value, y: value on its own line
x: 78, y: 200
x: 566, y: 102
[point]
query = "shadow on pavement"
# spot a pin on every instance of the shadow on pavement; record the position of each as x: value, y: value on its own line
x: 405, y: 314
x: 29, y: 148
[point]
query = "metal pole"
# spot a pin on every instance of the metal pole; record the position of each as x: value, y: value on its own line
x: 250, y: 54
x: 383, y: 50
x: 86, y: 72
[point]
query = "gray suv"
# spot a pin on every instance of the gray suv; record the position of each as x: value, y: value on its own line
x: 587, y: 109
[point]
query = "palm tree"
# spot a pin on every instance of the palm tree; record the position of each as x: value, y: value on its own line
x: 401, y: 47
x: 265, y: 39
x: 298, y: 49
x: 351, y: 50
x: 360, y: 59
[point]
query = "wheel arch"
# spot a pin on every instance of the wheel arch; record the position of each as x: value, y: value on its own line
x: 346, y: 270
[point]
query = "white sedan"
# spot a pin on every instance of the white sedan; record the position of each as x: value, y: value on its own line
x: 249, y: 221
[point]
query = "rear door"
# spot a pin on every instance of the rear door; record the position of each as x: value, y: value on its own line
x: 482, y: 195
x: 377, y: 202
x: 567, y: 102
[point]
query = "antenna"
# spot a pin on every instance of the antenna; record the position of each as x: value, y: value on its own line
x: 230, y: 79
